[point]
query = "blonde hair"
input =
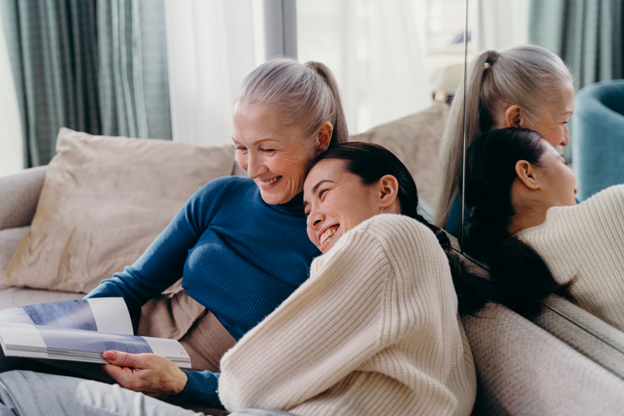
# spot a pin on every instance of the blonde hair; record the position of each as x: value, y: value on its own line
x: 305, y: 95
x: 528, y: 76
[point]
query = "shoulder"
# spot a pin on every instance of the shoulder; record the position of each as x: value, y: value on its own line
x: 231, y: 182
x: 404, y: 240
x: 604, y: 211
x: 612, y: 197
x: 394, y: 229
x: 605, y: 206
x: 230, y: 185
x: 224, y: 190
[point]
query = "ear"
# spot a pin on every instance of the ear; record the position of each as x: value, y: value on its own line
x: 323, y: 137
x: 527, y: 174
x: 513, y: 116
x: 388, y: 193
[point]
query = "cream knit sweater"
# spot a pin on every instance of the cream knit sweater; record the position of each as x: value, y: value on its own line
x: 373, y: 331
x: 586, y: 241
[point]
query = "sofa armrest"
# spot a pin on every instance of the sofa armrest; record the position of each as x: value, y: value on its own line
x: 20, y: 195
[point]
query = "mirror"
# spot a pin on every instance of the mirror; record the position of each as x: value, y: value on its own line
x: 588, y: 38
x: 398, y: 65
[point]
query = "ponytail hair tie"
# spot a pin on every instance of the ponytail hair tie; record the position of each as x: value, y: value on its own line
x: 487, y: 65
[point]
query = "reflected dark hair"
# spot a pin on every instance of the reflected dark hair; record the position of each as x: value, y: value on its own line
x: 521, y: 278
x: 371, y: 162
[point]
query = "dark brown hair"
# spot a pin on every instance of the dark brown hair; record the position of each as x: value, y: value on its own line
x: 371, y: 162
x: 521, y: 277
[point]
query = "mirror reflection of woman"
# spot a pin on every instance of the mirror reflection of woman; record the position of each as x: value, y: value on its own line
x: 375, y: 330
x: 524, y: 87
x: 526, y: 224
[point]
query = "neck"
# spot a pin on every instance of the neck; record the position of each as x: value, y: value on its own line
x: 527, y: 217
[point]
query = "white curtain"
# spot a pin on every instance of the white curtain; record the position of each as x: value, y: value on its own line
x: 210, y: 49
x: 11, y: 151
x: 498, y: 24
x: 375, y: 48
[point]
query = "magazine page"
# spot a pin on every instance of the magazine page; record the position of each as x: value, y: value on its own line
x: 24, y: 340
x: 99, y: 314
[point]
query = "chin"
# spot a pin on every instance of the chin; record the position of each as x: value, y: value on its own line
x: 274, y: 198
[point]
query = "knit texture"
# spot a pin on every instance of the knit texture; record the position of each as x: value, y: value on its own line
x: 586, y: 242
x: 374, y: 331
x: 237, y: 255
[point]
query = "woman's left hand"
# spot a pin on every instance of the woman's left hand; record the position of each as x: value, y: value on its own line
x: 146, y: 373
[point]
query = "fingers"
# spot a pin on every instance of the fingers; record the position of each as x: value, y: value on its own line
x: 123, y: 359
x: 124, y: 376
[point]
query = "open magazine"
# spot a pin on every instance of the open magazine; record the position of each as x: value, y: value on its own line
x: 79, y: 330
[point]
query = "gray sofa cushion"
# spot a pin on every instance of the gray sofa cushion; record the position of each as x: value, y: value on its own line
x: 11, y: 297
x: 9, y: 239
x: 20, y: 194
x: 523, y: 370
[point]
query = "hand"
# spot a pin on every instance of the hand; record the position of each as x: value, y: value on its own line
x: 146, y: 373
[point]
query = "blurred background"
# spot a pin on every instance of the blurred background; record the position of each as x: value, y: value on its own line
x: 169, y: 69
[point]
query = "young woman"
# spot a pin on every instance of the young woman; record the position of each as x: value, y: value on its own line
x: 525, y: 223
x: 524, y: 87
x: 375, y: 330
x: 223, y: 241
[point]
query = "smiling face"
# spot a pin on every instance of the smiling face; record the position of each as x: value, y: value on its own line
x: 336, y: 201
x: 275, y: 156
x: 552, y: 122
x: 557, y: 179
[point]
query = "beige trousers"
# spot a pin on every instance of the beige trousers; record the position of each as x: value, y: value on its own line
x: 177, y: 316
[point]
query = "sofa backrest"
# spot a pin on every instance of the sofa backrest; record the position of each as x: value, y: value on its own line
x: 20, y: 194
x: 524, y: 370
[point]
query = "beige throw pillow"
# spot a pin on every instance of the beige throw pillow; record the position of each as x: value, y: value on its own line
x: 415, y: 140
x: 104, y: 200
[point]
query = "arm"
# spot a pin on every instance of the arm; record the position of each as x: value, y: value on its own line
x: 377, y: 286
x: 162, y: 263
x: 323, y: 331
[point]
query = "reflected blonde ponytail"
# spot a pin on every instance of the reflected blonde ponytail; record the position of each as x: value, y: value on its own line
x: 528, y: 76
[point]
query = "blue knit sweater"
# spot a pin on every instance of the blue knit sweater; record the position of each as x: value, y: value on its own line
x: 238, y: 256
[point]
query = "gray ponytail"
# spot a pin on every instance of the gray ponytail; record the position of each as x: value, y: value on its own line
x: 305, y: 95
x: 528, y: 76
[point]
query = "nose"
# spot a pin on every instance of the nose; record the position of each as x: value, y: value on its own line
x: 565, y: 140
x: 255, y: 167
x: 315, y: 219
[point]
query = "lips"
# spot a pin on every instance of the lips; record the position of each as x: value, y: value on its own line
x: 269, y: 182
x: 327, y: 233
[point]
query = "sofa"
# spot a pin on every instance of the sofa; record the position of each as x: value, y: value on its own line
x: 546, y: 366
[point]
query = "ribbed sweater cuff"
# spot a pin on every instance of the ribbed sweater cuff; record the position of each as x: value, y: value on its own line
x: 201, y: 388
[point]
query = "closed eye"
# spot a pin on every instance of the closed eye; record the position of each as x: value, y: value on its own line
x: 268, y: 150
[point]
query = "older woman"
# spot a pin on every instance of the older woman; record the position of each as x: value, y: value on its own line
x: 223, y: 242
x: 526, y: 224
x: 373, y: 331
x: 525, y: 86
x: 237, y: 243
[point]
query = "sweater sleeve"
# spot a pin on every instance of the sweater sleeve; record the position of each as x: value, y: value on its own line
x: 280, y: 362
x: 162, y: 263
x: 330, y: 327
x: 202, y: 388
